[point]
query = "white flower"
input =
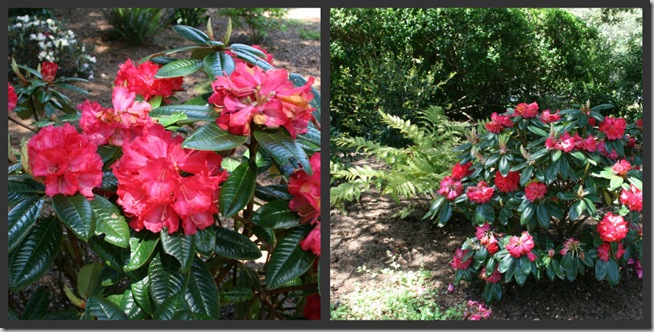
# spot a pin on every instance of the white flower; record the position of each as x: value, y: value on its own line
x: 25, y: 18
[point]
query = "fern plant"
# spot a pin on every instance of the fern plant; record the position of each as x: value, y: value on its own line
x: 411, y: 171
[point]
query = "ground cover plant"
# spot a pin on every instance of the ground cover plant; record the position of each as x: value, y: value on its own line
x: 164, y: 208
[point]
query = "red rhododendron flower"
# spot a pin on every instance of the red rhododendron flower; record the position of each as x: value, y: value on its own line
x: 12, y: 98
x: 592, y: 121
x: 492, y: 248
x: 507, y: 183
x: 48, y: 71
x: 312, y: 307
x: 460, y: 171
x: 305, y: 189
x: 152, y: 190
x: 522, y: 245
x: 116, y: 125
x: 589, y: 144
x: 639, y: 123
x: 140, y: 80
x: 602, y: 149
x: 269, y: 57
x: 535, y: 190
x: 485, y: 235
x: 603, y: 251
x: 450, y: 188
x: 621, y: 167
x: 613, y: 127
x: 458, y: 262
x: 527, y: 110
x: 481, y: 193
x: 498, y: 122
x: 494, y: 278
x: 565, y: 143
x: 266, y: 98
x: 612, y: 228
x: 632, y: 198
x: 65, y: 160
x: 312, y: 241
x: 631, y: 141
x: 547, y: 117
x: 620, y: 251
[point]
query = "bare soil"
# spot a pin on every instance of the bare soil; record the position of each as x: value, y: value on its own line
x: 362, y: 235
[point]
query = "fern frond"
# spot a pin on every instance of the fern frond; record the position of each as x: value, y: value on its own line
x: 409, y: 130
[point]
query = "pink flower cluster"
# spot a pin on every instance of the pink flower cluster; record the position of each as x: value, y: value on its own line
x: 66, y: 161
x: 527, y: 111
x: 632, y: 198
x: 621, y: 167
x: 535, y: 190
x: 458, y: 261
x: 604, y: 251
x: 494, y: 278
x: 49, y: 71
x: 140, y: 80
x: 613, y: 127
x: 481, y: 193
x: 487, y: 238
x: 568, y: 143
x: 460, y: 171
x: 266, y: 98
x: 612, y: 228
x: 519, y: 246
x: 508, y: 183
x: 152, y: 190
x: 450, y: 188
x: 12, y: 98
x: 498, y: 122
x: 477, y: 311
x: 547, y: 117
x: 305, y: 189
x: 118, y: 125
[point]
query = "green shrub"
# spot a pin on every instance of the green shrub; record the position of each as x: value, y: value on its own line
x: 194, y: 17
x: 137, y: 25
x: 257, y: 20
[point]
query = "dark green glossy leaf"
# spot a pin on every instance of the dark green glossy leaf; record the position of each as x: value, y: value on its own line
x: 24, y: 187
x: 103, y: 309
x: 35, y: 254
x: 253, y: 59
x: 538, y: 131
x: 287, y: 154
x: 249, y: 49
x: 276, y: 214
x: 165, y: 281
x: 445, y: 214
x: 613, y: 271
x: 66, y: 314
x: 525, y: 175
x: 504, y: 166
x: 141, y: 293
x: 527, y: 214
x: 238, y: 189
x: 191, y: 34
x: 76, y: 213
x: 37, y: 306
x: 141, y: 248
x: 212, y: 65
x: 179, y: 68
x: 212, y: 138
x: 543, y: 216
x: 234, y: 245
x: 236, y: 294
x: 110, y: 222
x: 201, y: 293
x: 272, y: 192
x: 21, y: 219
x: 181, y: 247
x: 129, y: 306
x: 288, y: 260
x: 88, y: 279
x: 600, y: 269
x: 205, y: 241
x: 109, y: 254
x: 173, y: 308
x: 227, y: 62
x: 193, y: 112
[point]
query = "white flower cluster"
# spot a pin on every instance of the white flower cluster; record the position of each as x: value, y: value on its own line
x: 53, y: 42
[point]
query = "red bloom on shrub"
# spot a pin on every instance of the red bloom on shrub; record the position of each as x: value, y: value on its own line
x: 589, y: 144
x: 612, y: 228
x: 498, y: 122
x: 269, y: 57
x: 522, y: 245
x: 460, y: 171
x: 450, y: 188
x: 639, y: 123
x: 117, y: 125
x: 494, y: 278
x: 613, y: 127
x: 152, y: 190
x: 547, y: 117
x: 485, y: 235
x: 312, y: 241
x: 621, y: 167
x: 481, y: 193
x: 312, y: 307
x: 569, y: 245
x: 565, y: 143
x: 535, y: 190
x: 265, y: 98
x: 65, y: 160
x: 458, y: 261
x: 12, y: 98
x: 527, y: 110
x: 140, y: 80
x: 49, y: 71
x: 603, y: 251
x: 602, y: 150
x: 592, y: 121
x: 305, y: 189
x: 620, y: 251
x: 632, y: 198
x: 507, y: 183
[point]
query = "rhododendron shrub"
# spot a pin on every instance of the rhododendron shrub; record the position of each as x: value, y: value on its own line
x: 161, y: 206
x: 553, y: 194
